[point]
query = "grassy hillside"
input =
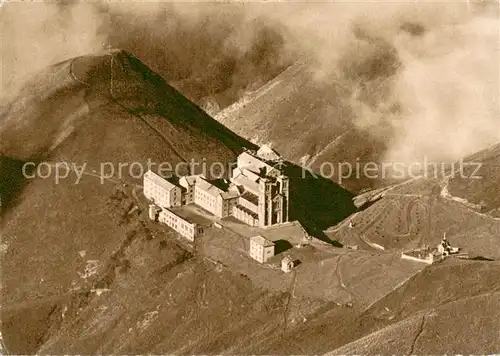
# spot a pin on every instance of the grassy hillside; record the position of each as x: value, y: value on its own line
x: 449, y: 297
x: 86, y: 111
x: 483, y: 191
x: 89, y: 98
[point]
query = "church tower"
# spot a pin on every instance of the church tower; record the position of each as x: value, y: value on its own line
x: 284, y: 183
x: 264, y: 195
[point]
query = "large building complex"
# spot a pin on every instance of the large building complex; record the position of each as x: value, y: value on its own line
x: 213, y: 199
x: 257, y: 192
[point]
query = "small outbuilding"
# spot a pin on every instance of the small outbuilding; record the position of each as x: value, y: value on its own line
x: 287, y: 264
x: 445, y: 249
x: 154, y: 211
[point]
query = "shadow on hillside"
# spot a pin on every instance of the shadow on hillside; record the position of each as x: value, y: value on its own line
x: 317, y: 202
x: 481, y: 258
x: 368, y: 203
x: 24, y: 326
x: 142, y: 91
x: 178, y: 106
x: 281, y: 246
x: 12, y: 182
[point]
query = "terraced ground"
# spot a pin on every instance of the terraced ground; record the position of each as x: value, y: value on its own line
x: 421, y: 210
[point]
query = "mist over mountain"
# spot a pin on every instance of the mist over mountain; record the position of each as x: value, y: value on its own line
x: 204, y: 49
x: 415, y: 77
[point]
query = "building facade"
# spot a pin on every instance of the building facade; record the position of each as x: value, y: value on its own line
x: 261, y: 249
x: 245, y: 215
x: 266, y: 187
x: 213, y: 199
x: 160, y: 191
x: 287, y: 264
x: 188, y: 184
x: 185, y: 228
x: 273, y: 201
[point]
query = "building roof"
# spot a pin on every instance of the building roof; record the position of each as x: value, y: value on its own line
x: 235, y: 188
x: 190, y: 216
x: 252, y: 162
x: 258, y: 166
x: 207, y: 187
x: 249, y: 185
x: 159, y: 180
x: 250, y: 174
x: 191, y: 180
x: 237, y: 171
x: 252, y: 198
x: 230, y: 194
x: 248, y: 211
x: 261, y: 241
x: 213, y: 190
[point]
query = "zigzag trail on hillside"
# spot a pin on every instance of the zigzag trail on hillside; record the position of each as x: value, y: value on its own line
x: 373, y: 195
x: 444, y: 193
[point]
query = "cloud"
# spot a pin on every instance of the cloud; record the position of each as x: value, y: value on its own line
x: 35, y: 35
x: 423, y: 76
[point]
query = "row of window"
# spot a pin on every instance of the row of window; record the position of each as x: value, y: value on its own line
x: 257, y: 247
x: 173, y: 220
x: 204, y: 200
x: 151, y: 189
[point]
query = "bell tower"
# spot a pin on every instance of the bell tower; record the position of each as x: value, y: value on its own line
x: 263, y: 201
x: 285, y: 193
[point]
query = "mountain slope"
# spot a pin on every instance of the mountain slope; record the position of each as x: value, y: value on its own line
x: 65, y: 242
x: 297, y: 107
x: 73, y: 112
x: 434, y: 332
x: 421, y: 210
x: 482, y: 190
x: 101, y: 91
x: 449, y: 296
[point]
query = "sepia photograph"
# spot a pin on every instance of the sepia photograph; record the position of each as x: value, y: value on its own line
x: 222, y: 177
